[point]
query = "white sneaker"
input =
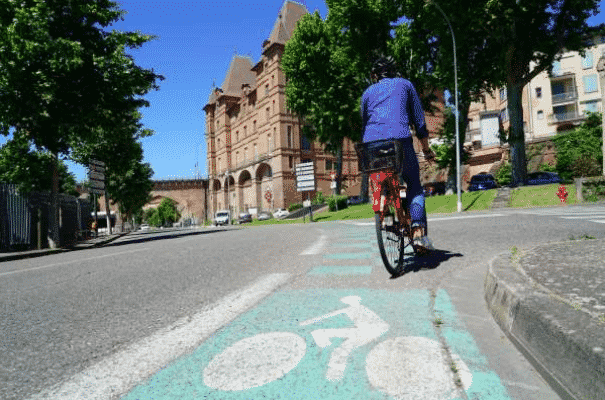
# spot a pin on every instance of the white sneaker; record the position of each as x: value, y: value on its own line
x: 423, y: 244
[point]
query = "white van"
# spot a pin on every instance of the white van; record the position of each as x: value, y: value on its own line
x: 222, y: 217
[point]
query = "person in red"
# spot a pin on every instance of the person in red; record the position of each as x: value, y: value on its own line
x: 388, y: 107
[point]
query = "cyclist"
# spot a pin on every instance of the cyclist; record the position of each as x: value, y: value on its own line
x: 388, y: 107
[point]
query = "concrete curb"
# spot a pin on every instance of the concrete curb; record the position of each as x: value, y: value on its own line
x: 564, y: 344
x: 45, y: 252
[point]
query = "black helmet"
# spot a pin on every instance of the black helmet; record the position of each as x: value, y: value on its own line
x: 385, y: 67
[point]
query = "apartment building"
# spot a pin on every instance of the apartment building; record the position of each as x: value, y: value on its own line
x: 552, y: 103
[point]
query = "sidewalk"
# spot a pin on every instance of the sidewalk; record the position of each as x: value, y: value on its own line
x: 86, y: 244
x: 550, y: 302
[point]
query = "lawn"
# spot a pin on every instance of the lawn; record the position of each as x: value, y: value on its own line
x: 528, y: 196
x: 540, y: 196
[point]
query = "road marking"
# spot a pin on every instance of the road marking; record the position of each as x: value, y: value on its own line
x: 316, y: 247
x: 341, y: 270
x: 599, y: 221
x: 71, y: 262
x: 439, y: 218
x: 120, y: 372
x: 349, y: 256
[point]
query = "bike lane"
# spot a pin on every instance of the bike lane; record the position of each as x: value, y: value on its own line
x: 335, y: 344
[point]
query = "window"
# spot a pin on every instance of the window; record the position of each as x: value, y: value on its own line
x: 290, y: 161
x: 502, y: 94
x: 305, y: 144
x: 587, y: 60
x: 272, y: 80
x: 591, y: 107
x: 267, y: 89
x: 254, y: 126
x: 268, y: 114
x: 289, y: 136
x: 590, y: 83
x: 504, y: 114
x: 237, y: 136
x: 218, y: 143
x: 273, y: 106
x: 539, y: 92
x: 540, y: 114
x: 269, y: 146
x: 245, y: 131
x: 255, y: 152
x: 329, y: 165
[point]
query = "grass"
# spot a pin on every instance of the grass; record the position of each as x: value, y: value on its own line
x: 540, y: 196
x: 523, y: 197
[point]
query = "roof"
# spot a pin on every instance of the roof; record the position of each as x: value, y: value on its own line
x: 240, y: 72
x: 284, y: 25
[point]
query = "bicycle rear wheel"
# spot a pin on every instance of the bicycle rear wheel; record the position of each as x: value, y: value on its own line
x: 390, y: 243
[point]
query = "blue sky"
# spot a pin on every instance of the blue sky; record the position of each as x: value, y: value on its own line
x: 195, y: 44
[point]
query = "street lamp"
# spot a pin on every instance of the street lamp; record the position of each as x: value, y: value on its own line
x: 228, y: 198
x: 457, y: 109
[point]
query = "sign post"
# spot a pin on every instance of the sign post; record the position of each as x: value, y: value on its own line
x: 96, y: 178
x: 305, y: 180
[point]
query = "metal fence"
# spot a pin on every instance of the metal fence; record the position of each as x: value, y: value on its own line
x: 24, y: 219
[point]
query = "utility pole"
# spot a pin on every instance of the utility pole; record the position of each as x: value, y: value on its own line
x: 601, y: 69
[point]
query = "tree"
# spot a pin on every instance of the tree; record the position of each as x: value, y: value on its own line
x: 579, y: 151
x: 62, y: 75
x: 132, y: 189
x: 166, y: 213
x: 30, y: 169
x: 533, y: 35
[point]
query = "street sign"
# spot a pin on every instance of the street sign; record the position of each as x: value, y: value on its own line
x: 97, y: 191
x: 97, y: 166
x: 305, y: 177
x: 305, y: 186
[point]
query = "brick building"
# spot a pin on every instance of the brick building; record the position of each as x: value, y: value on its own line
x: 254, y: 142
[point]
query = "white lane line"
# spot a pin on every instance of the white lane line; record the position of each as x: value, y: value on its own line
x: 522, y: 385
x: 316, y: 247
x: 582, y: 216
x: 119, y: 373
x: 70, y: 262
x: 466, y: 217
x: 442, y: 218
x: 600, y: 221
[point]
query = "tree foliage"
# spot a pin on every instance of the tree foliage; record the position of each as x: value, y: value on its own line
x: 166, y: 213
x: 30, y: 169
x: 579, y: 152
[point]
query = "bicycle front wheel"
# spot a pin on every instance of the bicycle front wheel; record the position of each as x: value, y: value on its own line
x: 390, y: 243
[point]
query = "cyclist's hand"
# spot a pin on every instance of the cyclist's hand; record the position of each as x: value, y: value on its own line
x: 429, y: 155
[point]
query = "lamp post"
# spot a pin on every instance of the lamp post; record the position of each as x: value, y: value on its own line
x: 458, y: 187
x: 228, y: 198
x: 601, y: 69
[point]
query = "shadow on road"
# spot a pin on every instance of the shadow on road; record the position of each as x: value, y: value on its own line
x: 429, y: 261
x: 144, y: 237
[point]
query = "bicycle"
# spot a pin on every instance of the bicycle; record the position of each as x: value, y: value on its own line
x: 382, y: 159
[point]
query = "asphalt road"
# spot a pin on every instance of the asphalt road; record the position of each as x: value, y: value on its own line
x: 62, y: 314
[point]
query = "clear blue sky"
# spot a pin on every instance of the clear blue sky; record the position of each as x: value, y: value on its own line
x: 195, y: 44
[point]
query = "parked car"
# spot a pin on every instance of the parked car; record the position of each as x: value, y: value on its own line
x: 244, y: 217
x: 222, y: 217
x: 482, y: 181
x: 542, y: 178
x: 351, y: 200
x: 263, y: 216
x: 281, y: 213
x: 144, y: 227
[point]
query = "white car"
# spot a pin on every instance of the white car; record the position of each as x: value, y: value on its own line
x: 222, y: 217
x: 144, y: 227
x: 281, y: 213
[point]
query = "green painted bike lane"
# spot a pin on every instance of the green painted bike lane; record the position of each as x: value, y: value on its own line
x: 335, y: 344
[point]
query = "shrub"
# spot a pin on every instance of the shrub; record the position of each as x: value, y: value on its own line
x: 319, y: 198
x: 504, y: 174
x: 547, y: 168
x: 593, y: 190
x: 295, y: 206
x: 333, y: 201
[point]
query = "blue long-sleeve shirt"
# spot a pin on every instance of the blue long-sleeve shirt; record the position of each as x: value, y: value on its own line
x: 388, y: 107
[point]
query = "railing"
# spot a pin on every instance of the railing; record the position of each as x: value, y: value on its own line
x: 564, y: 117
x: 563, y: 97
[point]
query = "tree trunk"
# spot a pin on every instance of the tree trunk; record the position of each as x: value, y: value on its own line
x: 339, y: 168
x: 54, y: 236
x: 107, y: 213
x: 516, y: 138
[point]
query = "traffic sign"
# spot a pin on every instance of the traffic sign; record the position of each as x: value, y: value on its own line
x: 305, y: 186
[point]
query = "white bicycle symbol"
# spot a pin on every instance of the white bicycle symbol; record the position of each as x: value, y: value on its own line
x: 402, y: 366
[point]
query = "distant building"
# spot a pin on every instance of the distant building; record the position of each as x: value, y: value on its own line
x: 254, y: 142
x: 551, y: 103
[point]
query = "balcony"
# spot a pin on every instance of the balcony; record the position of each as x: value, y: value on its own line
x: 570, y: 116
x: 565, y: 97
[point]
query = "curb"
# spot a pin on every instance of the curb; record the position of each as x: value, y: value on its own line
x: 565, y: 345
x: 46, y: 252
